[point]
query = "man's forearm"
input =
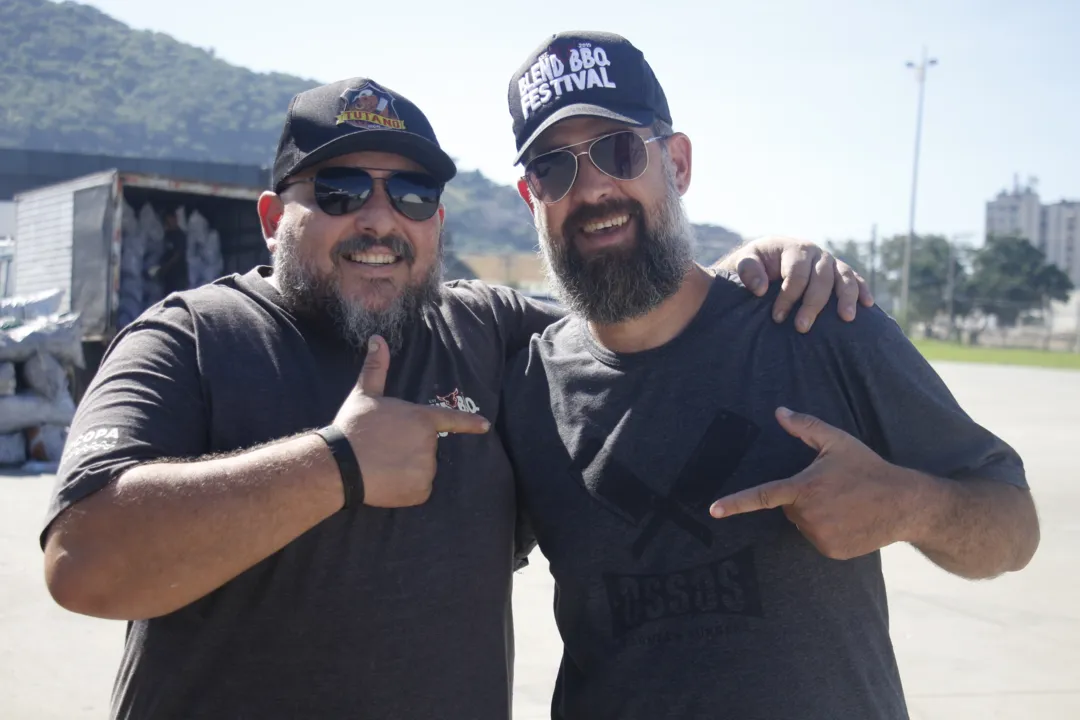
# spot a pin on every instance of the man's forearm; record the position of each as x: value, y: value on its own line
x: 164, y: 535
x: 977, y: 528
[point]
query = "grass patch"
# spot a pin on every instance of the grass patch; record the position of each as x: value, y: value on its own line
x: 940, y: 350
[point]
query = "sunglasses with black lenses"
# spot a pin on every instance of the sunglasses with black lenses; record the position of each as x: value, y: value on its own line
x: 622, y: 155
x: 344, y: 190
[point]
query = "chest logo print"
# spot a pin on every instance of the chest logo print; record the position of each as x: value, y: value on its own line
x: 455, y: 400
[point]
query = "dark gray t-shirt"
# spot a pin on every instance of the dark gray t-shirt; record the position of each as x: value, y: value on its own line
x: 374, y: 613
x: 668, y: 613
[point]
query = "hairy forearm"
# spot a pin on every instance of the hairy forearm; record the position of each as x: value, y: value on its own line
x: 164, y: 535
x: 976, y: 529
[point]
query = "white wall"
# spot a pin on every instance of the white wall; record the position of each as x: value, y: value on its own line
x: 7, y: 218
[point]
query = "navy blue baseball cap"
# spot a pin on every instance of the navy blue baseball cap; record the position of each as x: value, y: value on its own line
x: 353, y: 116
x: 583, y: 73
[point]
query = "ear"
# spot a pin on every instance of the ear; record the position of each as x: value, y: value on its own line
x: 442, y: 214
x: 271, y: 209
x: 526, y: 195
x: 681, y: 153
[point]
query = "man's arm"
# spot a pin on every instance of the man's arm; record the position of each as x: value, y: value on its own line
x: 164, y: 534
x: 850, y: 502
x: 977, y: 528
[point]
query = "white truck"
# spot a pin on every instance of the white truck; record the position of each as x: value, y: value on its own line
x: 68, y: 236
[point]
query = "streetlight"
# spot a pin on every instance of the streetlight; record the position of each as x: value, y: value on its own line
x: 905, y: 280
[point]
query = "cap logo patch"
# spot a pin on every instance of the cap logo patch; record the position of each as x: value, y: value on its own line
x: 369, y: 107
x: 561, y: 71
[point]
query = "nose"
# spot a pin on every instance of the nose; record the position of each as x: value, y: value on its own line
x: 377, y: 217
x: 591, y: 185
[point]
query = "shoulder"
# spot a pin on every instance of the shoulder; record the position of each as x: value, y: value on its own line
x: 562, y: 341
x: 871, y: 326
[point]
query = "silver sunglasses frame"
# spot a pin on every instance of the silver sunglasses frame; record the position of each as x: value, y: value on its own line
x: 577, y: 164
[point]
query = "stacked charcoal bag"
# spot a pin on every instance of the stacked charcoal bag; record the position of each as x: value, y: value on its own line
x: 153, y: 236
x: 38, y: 348
x: 204, y: 260
x: 132, y: 250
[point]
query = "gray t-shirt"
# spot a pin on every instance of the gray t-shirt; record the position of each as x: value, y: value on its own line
x: 666, y: 612
x: 374, y: 613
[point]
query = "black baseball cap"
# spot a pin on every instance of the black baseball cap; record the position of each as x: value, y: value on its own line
x: 352, y: 116
x: 583, y: 73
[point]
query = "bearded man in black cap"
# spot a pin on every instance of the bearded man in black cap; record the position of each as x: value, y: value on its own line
x: 716, y: 555
x: 289, y: 521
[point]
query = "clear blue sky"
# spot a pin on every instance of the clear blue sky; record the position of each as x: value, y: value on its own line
x: 801, y: 112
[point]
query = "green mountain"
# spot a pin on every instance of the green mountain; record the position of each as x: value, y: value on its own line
x: 74, y: 79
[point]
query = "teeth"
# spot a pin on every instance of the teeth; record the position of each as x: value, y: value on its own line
x: 372, y: 258
x: 609, y: 223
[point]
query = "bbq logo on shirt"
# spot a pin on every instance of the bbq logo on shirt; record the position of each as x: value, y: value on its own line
x: 455, y: 401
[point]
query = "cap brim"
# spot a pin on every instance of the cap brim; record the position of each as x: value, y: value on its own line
x: 415, y: 147
x: 638, y: 118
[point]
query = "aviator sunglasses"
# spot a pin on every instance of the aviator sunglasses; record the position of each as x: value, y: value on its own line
x: 622, y: 155
x: 344, y: 190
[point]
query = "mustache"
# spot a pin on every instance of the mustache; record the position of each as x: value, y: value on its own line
x: 589, y: 213
x: 362, y: 243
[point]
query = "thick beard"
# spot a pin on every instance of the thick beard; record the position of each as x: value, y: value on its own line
x: 620, y: 284
x: 307, y: 291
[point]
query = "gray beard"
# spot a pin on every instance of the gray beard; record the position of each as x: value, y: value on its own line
x: 307, y: 291
x: 618, y: 285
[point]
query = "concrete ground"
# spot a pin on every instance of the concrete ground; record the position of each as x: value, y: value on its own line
x: 1004, y: 649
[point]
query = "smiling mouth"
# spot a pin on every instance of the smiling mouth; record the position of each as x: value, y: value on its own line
x: 377, y: 258
x: 607, y: 224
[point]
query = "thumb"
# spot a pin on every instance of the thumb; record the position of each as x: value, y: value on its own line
x: 816, y: 433
x: 373, y: 375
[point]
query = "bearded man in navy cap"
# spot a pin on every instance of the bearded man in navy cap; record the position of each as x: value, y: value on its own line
x: 716, y: 555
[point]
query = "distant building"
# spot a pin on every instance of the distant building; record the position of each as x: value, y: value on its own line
x: 1061, y: 237
x: 1054, y: 229
x: 1017, y: 213
x: 522, y: 271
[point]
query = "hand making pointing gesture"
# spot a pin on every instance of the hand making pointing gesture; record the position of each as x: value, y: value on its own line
x: 395, y: 440
x: 848, y: 502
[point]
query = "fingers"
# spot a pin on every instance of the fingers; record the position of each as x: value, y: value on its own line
x: 813, y: 431
x: 752, y: 272
x: 796, y: 265
x: 818, y: 292
x: 847, y: 290
x: 446, y: 420
x: 373, y: 375
x: 763, y: 497
x: 866, y: 298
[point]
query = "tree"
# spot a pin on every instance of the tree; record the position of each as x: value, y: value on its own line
x: 853, y: 253
x: 928, y: 288
x: 1010, y: 276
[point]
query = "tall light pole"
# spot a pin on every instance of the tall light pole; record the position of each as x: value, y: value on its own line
x: 905, y: 278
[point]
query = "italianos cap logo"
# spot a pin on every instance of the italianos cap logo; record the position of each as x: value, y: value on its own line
x: 369, y: 107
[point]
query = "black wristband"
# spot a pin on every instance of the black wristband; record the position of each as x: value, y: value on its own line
x: 352, y: 481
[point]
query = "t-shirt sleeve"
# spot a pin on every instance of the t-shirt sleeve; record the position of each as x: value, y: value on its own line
x: 517, y: 316
x: 144, y: 404
x: 909, y: 416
